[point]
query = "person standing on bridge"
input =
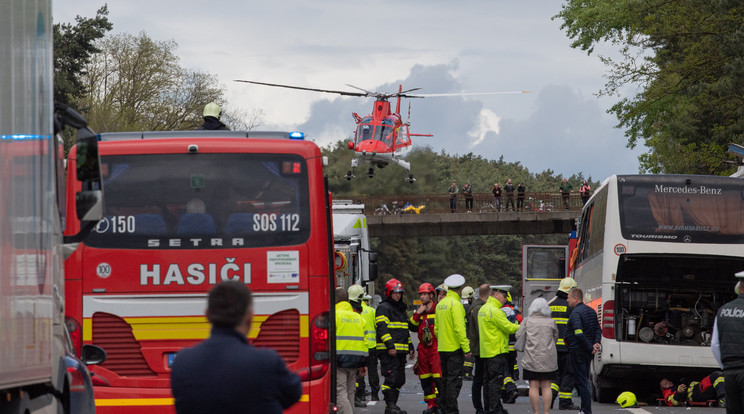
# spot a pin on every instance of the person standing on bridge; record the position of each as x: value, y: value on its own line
x: 453, y: 196
x: 509, y: 189
x: 212, y: 115
x: 219, y: 374
x: 467, y: 191
x: 453, y: 344
x: 728, y: 335
x: 566, y: 190
x: 496, y: 190
x: 582, y: 337
x: 585, y: 190
x: 520, y: 196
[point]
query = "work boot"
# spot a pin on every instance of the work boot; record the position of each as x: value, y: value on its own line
x: 572, y: 407
x: 722, y: 403
x: 359, y: 403
x: 374, y: 397
x: 394, y: 409
x: 511, y: 398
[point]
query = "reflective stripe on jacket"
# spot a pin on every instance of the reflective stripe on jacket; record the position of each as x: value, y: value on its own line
x: 494, y: 329
x: 560, y: 311
x: 391, y: 322
x: 449, y: 325
x: 351, y: 347
x: 370, y: 334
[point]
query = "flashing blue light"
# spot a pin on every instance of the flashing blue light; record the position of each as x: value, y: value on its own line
x: 297, y: 135
x: 23, y: 137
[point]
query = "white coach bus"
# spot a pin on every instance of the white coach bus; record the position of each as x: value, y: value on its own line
x: 656, y: 258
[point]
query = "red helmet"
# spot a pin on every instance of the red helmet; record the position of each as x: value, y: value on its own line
x: 427, y: 288
x: 393, y: 285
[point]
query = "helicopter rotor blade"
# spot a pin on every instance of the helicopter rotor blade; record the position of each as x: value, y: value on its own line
x: 367, y: 93
x: 431, y: 95
x: 345, y: 93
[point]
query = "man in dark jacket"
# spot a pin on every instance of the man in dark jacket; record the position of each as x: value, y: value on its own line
x: 728, y: 335
x: 219, y: 375
x: 393, y: 344
x: 560, y: 311
x: 212, y: 115
x: 484, y: 291
x: 582, y: 337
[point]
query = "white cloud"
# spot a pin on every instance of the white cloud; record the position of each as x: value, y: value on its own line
x: 488, y: 121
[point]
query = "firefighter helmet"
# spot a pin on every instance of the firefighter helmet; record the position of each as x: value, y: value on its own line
x: 356, y: 293
x: 212, y: 109
x: 426, y: 288
x: 442, y: 288
x: 393, y: 285
x: 467, y: 292
x: 566, y: 284
x: 626, y: 399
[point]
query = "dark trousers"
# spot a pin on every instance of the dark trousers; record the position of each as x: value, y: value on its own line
x: 734, y: 379
x: 563, y: 386
x: 394, y: 370
x: 453, y: 204
x: 493, y: 377
x: 498, y: 203
x: 520, y: 203
x: 477, y: 390
x: 468, y: 203
x: 580, y: 361
x: 372, y: 373
x: 509, y: 385
x: 509, y: 202
x: 451, y: 379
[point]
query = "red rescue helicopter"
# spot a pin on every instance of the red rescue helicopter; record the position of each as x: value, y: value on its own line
x: 381, y: 138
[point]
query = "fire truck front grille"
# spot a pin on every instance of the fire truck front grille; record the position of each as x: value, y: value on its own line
x: 281, y: 332
x: 114, y: 334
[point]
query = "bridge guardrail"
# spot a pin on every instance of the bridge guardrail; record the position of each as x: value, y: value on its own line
x: 482, y: 203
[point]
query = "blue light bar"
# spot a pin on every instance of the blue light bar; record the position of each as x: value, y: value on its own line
x: 297, y: 135
x: 23, y: 137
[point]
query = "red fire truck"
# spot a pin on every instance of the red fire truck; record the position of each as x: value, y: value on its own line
x: 184, y: 211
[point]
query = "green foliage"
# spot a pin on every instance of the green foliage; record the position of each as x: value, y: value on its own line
x: 73, y: 47
x: 687, y: 60
x: 413, y: 261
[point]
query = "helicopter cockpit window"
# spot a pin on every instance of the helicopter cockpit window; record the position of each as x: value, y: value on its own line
x: 365, y: 130
x: 384, y: 133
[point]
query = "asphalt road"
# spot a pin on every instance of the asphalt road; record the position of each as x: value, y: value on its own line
x: 412, y: 400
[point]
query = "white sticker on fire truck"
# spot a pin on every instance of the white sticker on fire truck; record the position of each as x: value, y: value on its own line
x: 283, y: 267
x: 103, y: 270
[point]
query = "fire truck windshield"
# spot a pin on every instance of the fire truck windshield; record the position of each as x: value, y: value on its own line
x: 182, y: 201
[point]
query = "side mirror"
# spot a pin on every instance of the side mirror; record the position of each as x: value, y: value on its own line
x: 373, y: 266
x: 93, y: 354
x: 88, y: 162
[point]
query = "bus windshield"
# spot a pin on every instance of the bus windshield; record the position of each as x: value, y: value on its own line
x: 685, y: 209
x: 203, y: 201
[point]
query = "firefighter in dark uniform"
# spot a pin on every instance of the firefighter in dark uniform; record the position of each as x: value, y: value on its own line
x: 726, y: 344
x: 560, y: 311
x: 393, y: 344
x: 511, y: 372
x: 428, y: 367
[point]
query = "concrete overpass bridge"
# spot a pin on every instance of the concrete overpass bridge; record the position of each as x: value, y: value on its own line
x: 386, y: 216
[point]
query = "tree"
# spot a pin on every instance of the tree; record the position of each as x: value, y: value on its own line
x: 685, y: 58
x: 73, y: 47
x: 138, y: 84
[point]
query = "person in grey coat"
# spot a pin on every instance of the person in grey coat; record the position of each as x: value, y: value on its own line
x: 540, y: 358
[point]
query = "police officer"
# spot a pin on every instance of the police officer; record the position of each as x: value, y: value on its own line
x: 370, y: 334
x: 493, y: 332
x: 351, y: 350
x: 393, y: 343
x: 728, y: 337
x: 560, y: 311
x: 453, y: 343
x: 484, y: 291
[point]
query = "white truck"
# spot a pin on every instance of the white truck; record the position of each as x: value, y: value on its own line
x: 33, y: 349
x: 354, y: 262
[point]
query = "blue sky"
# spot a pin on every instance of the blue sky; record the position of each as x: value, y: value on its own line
x: 439, y: 46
